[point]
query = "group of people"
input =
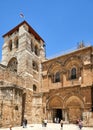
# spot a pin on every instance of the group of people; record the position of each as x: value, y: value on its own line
x: 79, y: 123
x: 44, y: 123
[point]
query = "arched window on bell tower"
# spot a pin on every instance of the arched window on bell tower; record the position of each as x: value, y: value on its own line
x: 35, y: 65
x: 16, y: 42
x: 32, y: 46
x: 34, y: 88
x: 10, y: 45
x: 36, y: 50
x: 12, y: 65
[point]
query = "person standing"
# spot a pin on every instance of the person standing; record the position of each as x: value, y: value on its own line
x: 10, y: 128
x: 24, y: 123
x: 80, y: 124
x: 45, y: 122
x: 61, y: 123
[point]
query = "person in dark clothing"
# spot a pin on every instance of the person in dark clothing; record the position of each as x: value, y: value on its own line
x: 25, y: 123
x: 45, y: 122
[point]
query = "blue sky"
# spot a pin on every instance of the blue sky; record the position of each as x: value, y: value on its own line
x: 61, y: 23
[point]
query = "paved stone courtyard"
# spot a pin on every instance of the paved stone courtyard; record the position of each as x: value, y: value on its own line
x: 50, y: 126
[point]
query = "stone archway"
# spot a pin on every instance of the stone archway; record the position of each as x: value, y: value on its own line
x: 54, y: 109
x: 74, y: 106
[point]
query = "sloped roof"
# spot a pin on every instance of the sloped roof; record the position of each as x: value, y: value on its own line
x: 31, y: 30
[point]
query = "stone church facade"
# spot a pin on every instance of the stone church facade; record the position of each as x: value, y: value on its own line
x: 34, y: 87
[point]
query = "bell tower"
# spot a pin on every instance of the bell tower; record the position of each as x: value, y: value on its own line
x: 23, y: 52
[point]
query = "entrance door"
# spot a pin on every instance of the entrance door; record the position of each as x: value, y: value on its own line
x: 74, y: 114
x: 57, y: 115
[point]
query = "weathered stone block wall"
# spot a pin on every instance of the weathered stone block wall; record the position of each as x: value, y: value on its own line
x: 37, y: 111
x: 11, y: 106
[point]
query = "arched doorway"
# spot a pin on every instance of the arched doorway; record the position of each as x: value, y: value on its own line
x: 74, y: 106
x: 57, y: 115
x: 55, y: 109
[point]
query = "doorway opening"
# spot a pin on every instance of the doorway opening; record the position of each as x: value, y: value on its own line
x: 57, y: 115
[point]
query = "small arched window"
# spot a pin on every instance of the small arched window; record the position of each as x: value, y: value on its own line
x: 34, y: 88
x: 16, y: 107
x: 73, y: 73
x: 32, y: 46
x: 36, y: 50
x: 10, y: 45
x: 57, y: 77
x: 16, y: 43
x: 35, y: 66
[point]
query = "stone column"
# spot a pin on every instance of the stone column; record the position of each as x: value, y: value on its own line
x: 65, y: 115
